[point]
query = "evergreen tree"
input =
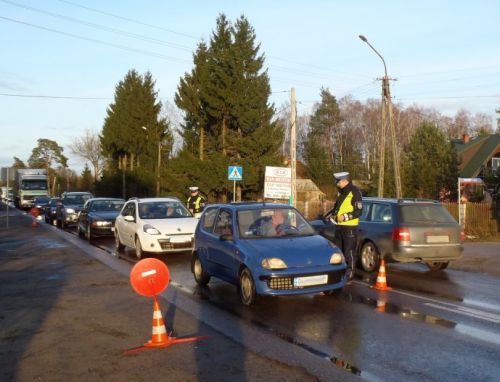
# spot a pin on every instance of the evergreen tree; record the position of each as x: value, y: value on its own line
x: 228, y: 119
x: 87, y: 179
x: 133, y: 130
x: 429, y: 145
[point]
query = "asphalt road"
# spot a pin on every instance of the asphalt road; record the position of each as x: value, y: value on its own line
x: 442, y: 326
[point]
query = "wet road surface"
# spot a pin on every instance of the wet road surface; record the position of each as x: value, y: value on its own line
x: 442, y: 326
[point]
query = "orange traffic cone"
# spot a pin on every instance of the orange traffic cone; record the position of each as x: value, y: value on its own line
x: 381, y: 283
x: 159, y: 337
x: 381, y: 305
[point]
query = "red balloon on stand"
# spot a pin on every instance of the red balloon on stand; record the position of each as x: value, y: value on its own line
x: 149, y: 277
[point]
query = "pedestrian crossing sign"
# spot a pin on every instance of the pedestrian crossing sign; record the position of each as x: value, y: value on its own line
x: 235, y: 173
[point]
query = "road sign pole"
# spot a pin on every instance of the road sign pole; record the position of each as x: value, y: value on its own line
x: 234, y: 191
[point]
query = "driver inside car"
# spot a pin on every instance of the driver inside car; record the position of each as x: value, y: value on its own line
x: 275, y: 225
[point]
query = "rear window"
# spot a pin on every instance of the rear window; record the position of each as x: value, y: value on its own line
x: 421, y: 213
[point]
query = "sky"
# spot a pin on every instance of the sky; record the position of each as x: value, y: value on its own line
x: 62, y: 59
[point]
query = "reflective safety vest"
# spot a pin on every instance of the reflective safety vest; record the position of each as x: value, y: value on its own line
x: 195, y: 203
x: 346, y: 208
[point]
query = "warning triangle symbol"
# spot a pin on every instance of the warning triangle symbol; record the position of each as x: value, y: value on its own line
x: 235, y: 173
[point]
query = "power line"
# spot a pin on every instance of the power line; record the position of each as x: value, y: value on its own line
x: 153, y: 54
x: 128, y: 19
x: 102, y: 27
x: 53, y: 97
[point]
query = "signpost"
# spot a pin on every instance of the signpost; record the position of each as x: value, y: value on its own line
x: 234, y: 173
x: 278, y: 183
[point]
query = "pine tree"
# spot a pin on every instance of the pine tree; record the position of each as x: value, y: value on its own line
x: 429, y: 145
x: 225, y: 101
x: 133, y: 130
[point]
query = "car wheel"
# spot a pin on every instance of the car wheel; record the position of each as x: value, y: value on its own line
x: 88, y: 235
x: 248, y: 295
x: 437, y: 265
x: 139, y: 253
x: 370, y: 258
x: 200, y: 276
x: 118, y: 244
x: 79, y: 231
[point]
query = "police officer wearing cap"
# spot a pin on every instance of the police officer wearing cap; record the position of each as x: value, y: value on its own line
x: 345, y: 214
x: 195, y: 202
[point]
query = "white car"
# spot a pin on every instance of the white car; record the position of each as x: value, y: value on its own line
x: 156, y: 225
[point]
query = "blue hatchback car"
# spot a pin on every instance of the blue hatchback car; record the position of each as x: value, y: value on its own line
x: 265, y: 249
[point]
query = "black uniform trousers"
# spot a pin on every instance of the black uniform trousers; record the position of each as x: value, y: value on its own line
x: 346, y: 238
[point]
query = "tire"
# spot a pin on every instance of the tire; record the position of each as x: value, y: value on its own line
x: 139, y: 253
x: 79, y: 231
x: 369, y: 257
x: 201, y: 277
x: 247, y: 292
x: 437, y: 265
x: 88, y: 235
x: 118, y: 244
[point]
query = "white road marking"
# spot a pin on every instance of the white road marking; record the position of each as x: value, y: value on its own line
x: 495, y: 318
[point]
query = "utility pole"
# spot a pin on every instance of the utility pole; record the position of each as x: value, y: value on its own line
x: 293, y: 146
x: 386, y: 108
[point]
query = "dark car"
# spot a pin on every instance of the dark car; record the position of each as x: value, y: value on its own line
x: 50, y: 210
x: 403, y: 230
x: 265, y: 249
x: 69, y: 207
x: 97, y: 218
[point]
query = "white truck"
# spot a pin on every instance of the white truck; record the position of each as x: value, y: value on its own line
x: 29, y: 183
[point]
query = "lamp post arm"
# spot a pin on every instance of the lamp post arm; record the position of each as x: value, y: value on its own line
x: 364, y: 39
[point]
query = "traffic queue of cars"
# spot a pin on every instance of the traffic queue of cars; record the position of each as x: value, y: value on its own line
x: 265, y: 248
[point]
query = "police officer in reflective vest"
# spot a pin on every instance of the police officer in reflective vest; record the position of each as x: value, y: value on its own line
x: 195, y: 202
x: 345, y: 214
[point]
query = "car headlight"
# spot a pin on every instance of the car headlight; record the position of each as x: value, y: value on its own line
x: 101, y: 223
x: 148, y: 228
x: 70, y: 211
x: 336, y: 258
x: 273, y: 263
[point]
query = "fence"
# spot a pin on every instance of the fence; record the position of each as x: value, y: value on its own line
x: 481, y: 219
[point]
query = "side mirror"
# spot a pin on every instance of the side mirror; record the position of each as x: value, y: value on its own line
x: 129, y: 218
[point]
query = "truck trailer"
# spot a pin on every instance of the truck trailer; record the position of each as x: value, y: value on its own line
x: 29, y: 184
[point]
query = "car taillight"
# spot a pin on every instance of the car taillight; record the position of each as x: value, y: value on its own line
x: 401, y: 234
x: 462, y: 235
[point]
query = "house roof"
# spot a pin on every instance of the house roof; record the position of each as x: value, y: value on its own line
x: 480, y: 150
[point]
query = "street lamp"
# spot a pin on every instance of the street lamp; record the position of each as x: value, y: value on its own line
x: 386, y: 107
x: 158, y: 164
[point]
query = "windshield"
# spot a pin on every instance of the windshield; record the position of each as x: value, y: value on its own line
x: 76, y: 199
x: 163, y: 210
x: 34, y: 185
x: 272, y: 222
x: 107, y: 205
x: 419, y: 213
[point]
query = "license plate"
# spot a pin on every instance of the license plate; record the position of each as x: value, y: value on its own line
x: 180, y: 239
x: 310, y: 280
x: 437, y: 239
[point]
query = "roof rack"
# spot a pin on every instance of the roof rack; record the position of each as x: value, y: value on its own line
x: 403, y: 200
